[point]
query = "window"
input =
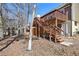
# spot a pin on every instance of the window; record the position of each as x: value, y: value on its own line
x: 75, y: 23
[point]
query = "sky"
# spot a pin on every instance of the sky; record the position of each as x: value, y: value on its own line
x: 43, y: 8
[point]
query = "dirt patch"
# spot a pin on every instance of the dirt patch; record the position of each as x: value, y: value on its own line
x: 41, y: 47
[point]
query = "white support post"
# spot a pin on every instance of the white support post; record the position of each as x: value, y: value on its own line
x: 30, y: 36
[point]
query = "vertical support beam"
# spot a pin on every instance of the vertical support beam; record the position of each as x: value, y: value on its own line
x: 50, y: 35
x: 65, y: 29
x: 43, y: 33
x: 39, y: 31
x: 56, y: 31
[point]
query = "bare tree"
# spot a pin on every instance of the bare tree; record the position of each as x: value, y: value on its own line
x: 30, y: 36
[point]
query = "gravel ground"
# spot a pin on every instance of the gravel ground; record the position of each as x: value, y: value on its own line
x: 41, y: 47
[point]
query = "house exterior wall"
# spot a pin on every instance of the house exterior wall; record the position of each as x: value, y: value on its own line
x: 75, y: 17
x: 67, y: 26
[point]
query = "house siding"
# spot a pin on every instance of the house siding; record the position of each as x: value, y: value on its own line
x: 75, y: 17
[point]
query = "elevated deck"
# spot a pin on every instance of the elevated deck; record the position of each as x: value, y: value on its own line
x: 50, y: 23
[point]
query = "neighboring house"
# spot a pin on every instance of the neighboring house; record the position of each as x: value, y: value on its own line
x: 71, y: 26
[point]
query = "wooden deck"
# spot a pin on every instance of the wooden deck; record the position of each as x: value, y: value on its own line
x: 50, y: 23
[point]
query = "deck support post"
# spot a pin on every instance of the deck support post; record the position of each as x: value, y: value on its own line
x: 43, y: 33
x: 39, y: 31
x: 50, y: 36
x: 55, y: 31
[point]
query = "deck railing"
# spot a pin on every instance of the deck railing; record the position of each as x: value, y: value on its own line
x: 60, y: 16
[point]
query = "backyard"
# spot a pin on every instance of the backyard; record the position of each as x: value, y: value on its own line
x: 41, y: 47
